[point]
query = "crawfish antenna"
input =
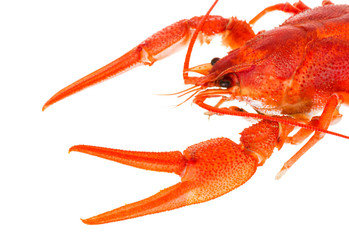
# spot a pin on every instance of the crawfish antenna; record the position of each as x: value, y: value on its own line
x: 290, y: 122
x: 192, y: 41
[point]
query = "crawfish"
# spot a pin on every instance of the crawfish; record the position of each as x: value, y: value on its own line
x: 295, y: 75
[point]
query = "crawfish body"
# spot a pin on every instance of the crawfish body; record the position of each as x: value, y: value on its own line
x: 287, y: 75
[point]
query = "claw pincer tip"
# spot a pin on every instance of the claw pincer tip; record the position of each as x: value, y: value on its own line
x: 208, y: 169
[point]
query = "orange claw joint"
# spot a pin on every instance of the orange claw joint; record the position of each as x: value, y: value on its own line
x: 154, y: 48
x: 208, y: 170
x: 162, y: 44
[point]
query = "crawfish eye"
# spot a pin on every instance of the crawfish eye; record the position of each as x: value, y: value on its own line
x: 225, y: 83
x: 214, y: 60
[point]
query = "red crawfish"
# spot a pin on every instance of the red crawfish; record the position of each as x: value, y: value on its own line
x: 295, y: 75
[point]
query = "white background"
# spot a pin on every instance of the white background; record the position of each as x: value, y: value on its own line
x: 45, y: 46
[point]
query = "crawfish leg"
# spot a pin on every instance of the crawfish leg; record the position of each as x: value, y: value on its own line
x: 208, y: 170
x: 158, y: 46
x: 284, y: 7
x: 329, y: 115
x: 261, y: 138
x: 303, y: 133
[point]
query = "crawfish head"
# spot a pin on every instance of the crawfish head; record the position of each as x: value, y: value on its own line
x: 259, y: 73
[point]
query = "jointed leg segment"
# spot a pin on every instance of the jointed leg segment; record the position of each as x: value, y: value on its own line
x: 208, y: 170
x: 329, y: 114
x: 284, y: 7
x: 160, y: 45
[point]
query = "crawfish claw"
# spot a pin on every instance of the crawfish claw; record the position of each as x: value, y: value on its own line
x: 208, y: 170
